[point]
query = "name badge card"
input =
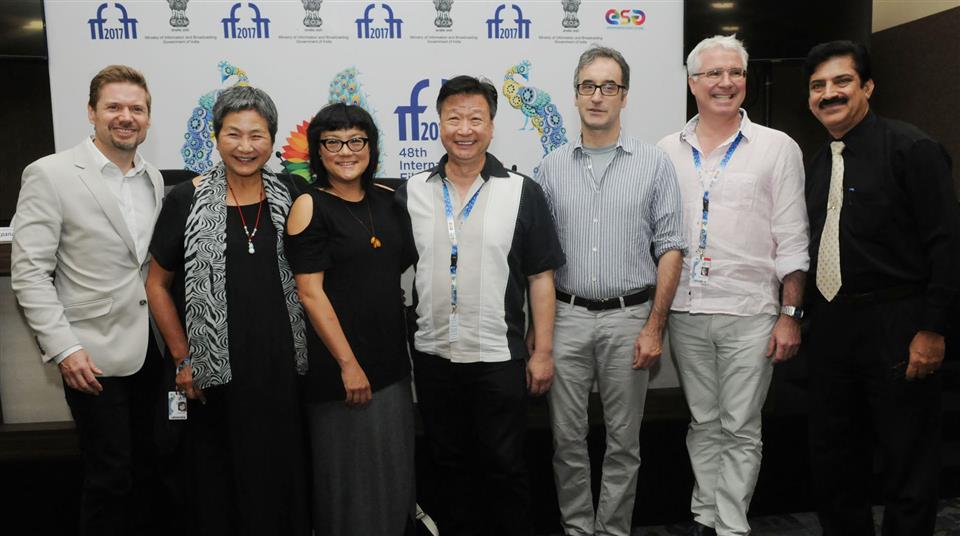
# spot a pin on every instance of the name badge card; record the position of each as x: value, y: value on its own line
x: 701, y: 269
x: 176, y: 406
x: 454, y: 329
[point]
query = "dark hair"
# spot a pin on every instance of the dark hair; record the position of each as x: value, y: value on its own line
x: 340, y: 116
x: 242, y: 98
x: 596, y: 52
x: 469, y: 85
x: 113, y: 74
x: 825, y: 51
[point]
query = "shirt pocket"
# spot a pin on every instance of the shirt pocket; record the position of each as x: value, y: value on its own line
x: 865, y: 212
x: 739, y: 191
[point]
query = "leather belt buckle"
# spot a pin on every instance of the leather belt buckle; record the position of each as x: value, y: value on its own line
x: 597, y: 305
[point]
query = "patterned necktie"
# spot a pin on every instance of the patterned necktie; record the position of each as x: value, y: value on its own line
x: 828, y: 258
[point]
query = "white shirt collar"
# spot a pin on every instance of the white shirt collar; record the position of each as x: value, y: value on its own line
x: 689, y: 130
x: 102, y: 161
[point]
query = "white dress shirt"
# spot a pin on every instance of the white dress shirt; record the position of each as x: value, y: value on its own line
x: 134, y: 193
x: 757, y: 225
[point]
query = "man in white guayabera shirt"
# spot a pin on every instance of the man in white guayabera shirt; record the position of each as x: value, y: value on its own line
x: 746, y: 223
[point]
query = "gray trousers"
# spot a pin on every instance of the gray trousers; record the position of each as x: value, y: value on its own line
x: 363, y: 464
x: 597, y: 346
x: 725, y: 374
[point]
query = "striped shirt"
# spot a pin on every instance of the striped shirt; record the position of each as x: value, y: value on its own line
x: 612, y: 228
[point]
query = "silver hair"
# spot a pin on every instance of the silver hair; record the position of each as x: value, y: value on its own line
x: 242, y: 98
x: 725, y: 42
x: 596, y: 51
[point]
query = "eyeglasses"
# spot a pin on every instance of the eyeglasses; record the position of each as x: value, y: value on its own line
x: 607, y: 89
x: 735, y: 73
x: 334, y: 145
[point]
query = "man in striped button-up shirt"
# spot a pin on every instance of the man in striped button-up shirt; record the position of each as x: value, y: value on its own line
x: 617, y: 208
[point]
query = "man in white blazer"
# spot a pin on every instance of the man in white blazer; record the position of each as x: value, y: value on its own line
x: 81, y: 235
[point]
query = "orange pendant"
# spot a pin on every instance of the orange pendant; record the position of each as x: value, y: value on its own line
x: 375, y: 242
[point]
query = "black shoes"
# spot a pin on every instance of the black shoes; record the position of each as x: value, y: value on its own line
x: 696, y: 529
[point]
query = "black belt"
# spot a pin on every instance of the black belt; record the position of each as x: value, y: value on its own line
x: 879, y: 296
x: 606, y: 303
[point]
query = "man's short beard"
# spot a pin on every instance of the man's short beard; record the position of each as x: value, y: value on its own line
x: 124, y: 146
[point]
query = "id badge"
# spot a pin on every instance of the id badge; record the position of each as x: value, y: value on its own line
x: 454, y: 329
x: 176, y: 406
x: 701, y: 269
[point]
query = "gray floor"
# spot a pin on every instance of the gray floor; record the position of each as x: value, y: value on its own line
x: 805, y: 524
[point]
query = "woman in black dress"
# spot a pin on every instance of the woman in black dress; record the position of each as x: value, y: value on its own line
x: 224, y: 298
x: 347, y: 251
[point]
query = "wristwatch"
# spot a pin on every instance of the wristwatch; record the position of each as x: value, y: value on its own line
x: 792, y: 311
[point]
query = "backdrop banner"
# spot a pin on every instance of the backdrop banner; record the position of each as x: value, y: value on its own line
x: 390, y: 58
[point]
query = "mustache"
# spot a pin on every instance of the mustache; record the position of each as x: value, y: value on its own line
x: 835, y: 100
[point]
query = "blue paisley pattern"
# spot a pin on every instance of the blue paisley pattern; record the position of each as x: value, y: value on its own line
x: 205, y: 245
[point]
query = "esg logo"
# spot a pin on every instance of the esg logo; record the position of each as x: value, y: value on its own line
x: 409, y: 125
x: 625, y: 17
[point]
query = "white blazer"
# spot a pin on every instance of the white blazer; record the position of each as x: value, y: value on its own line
x: 74, y: 266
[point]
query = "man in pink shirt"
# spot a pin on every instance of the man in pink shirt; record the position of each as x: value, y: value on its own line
x: 746, y: 223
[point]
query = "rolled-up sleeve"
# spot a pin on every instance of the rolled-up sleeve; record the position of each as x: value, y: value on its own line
x: 666, y: 213
x: 789, y: 224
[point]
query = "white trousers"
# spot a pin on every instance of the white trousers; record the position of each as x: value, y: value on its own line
x: 588, y: 346
x: 725, y: 375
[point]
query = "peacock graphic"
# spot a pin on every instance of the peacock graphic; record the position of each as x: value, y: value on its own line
x: 345, y: 87
x: 198, y: 142
x: 536, y: 107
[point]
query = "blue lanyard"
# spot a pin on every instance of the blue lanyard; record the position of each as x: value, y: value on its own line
x: 452, y: 232
x: 715, y: 176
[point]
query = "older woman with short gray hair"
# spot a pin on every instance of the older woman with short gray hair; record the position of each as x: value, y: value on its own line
x: 224, y: 298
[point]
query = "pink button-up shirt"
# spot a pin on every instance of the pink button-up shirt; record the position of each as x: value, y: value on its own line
x: 757, y: 230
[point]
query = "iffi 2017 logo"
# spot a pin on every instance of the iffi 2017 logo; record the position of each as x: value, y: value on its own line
x: 497, y: 30
x: 366, y: 29
x: 232, y: 29
x: 410, y: 127
x: 625, y: 18
x: 99, y: 29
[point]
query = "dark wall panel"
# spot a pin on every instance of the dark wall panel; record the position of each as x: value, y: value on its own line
x: 916, y: 67
x: 27, y: 132
x: 778, y: 36
x: 777, y: 30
